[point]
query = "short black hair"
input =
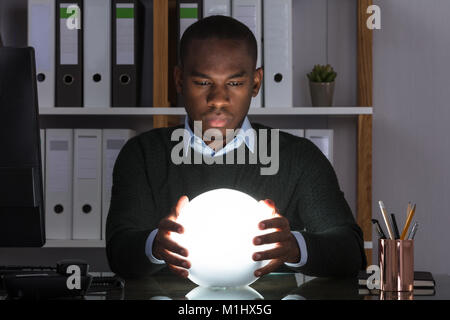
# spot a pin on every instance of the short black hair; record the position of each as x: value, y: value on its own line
x: 219, y: 27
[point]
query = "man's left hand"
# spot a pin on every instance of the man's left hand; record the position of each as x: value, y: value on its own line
x: 286, y: 246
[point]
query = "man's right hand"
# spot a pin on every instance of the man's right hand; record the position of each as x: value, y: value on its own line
x: 164, y: 248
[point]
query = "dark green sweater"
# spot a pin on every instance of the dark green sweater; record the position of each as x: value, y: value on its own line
x: 147, y: 184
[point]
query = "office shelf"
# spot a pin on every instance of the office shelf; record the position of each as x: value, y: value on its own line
x: 74, y: 244
x: 344, y: 111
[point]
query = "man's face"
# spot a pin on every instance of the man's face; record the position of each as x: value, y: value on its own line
x: 218, y: 81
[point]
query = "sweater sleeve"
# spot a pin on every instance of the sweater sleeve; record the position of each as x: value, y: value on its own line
x: 333, y: 239
x: 131, y: 216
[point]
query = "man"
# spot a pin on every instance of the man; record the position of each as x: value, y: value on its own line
x: 315, y: 230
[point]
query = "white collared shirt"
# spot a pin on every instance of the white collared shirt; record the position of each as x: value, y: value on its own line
x: 244, y: 134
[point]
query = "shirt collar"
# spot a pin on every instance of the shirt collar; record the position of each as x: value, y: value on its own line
x: 245, y: 133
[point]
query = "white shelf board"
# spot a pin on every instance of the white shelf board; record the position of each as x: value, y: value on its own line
x: 74, y: 244
x: 182, y: 111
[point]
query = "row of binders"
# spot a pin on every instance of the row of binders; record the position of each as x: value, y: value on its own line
x: 271, y: 24
x: 78, y: 179
x: 92, y: 53
x: 99, y: 53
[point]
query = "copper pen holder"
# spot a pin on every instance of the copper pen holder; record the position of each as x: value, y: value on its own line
x: 396, y: 259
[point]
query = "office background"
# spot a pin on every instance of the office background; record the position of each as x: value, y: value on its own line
x: 410, y: 148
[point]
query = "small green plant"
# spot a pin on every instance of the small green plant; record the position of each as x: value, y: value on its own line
x: 322, y: 73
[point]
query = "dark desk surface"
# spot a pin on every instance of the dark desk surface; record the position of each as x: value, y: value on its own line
x: 288, y: 286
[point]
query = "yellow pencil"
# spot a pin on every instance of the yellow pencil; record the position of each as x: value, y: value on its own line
x: 408, y: 210
x: 408, y: 222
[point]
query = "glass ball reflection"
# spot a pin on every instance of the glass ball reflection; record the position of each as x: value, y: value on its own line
x: 219, y: 227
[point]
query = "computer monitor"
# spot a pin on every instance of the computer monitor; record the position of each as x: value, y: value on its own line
x: 21, y: 189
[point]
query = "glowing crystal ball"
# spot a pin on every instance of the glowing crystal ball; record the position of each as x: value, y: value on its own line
x: 219, y: 227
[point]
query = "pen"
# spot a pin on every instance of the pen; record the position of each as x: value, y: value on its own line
x: 378, y: 228
x: 386, y: 221
x: 408, y: 222
x: 394, y: 226
x: 413, y: 231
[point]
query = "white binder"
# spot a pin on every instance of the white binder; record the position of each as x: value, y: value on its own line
x: 249, y: 12
x: 58, y: 183
x: 278, y: 66
x: 323, y: 139
x: 296, y: 132
x: 97, y: 53
x: 41, y: 36
x: 87, y: 184
x: 113, y: 141
x: 216, y: 7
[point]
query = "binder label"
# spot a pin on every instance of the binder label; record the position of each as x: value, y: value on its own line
x: 59, y: 177
x: 40, y: 21
x: 87, y: 157
x: 68, y: 37
x: 188, y: 16
x: 247, y: 15
x: 125, y: 33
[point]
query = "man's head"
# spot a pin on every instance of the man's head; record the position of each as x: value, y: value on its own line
x: 217, y: 73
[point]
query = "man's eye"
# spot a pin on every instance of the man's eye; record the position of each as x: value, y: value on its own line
x: 235, y: 83
x: 202, y: 83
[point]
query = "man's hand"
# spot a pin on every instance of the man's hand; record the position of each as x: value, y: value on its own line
x: 164, y: 247
x: 286, y: 246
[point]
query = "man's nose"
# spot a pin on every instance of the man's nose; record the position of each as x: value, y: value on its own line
x: 218, y: 96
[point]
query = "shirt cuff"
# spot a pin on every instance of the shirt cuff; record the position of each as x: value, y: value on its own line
x: 303, y: 252
x: 149, y: 247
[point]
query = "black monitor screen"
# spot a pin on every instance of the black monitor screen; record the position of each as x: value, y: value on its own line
x: 21, y: 196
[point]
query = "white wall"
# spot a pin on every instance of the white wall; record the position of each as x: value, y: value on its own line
x: 411, y: 136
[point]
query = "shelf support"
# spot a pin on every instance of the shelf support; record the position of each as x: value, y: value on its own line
x: 364, y: 144
x: 161, y: 60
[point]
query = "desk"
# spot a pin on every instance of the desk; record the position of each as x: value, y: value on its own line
x: 288, y: 286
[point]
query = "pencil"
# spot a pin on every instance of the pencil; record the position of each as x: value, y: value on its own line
x: 408, y: 210
x: 413, y: 231
x: 386, y: 220
x: 408, y: 222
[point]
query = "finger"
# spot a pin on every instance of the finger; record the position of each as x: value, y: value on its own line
x: 174, y: 260
x: 270, y: 267
x: 179, y: 271
x: 273, y: 237
x: 278, y: 223
x: 167, y: 225
x: 184, y: 200
x: 172, y: 246
x: 271, y: 204
x: 276, y: 253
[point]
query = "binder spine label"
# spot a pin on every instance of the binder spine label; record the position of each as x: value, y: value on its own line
x: 59, y: 178
x: 188, y: 16
x: 125, y: 33
x: 87, y: 161
x: 68, y: 36
x: 41, y: 15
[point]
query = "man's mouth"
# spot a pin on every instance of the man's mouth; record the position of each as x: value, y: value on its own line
x: 217, y: 121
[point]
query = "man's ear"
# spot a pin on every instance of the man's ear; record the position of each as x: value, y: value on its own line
x: 178, y: 77
x: 257, y: 81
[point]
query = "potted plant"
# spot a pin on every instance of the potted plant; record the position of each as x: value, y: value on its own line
x: 321, y: 85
